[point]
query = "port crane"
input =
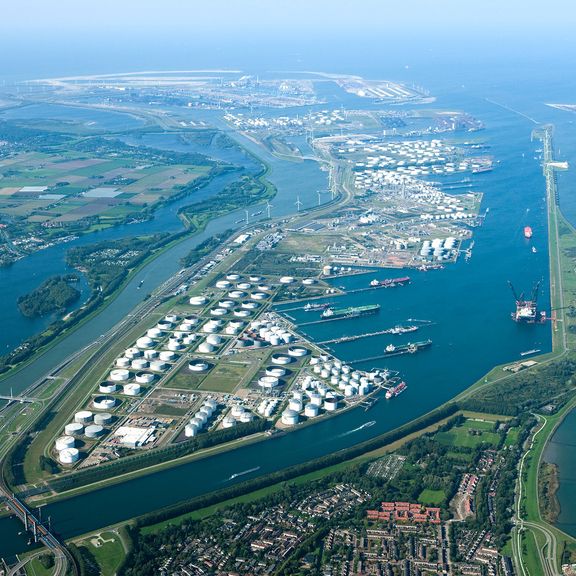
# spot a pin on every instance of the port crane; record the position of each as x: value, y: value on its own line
x: 526, y: 309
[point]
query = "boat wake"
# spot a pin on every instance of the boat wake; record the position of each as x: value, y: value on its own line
x: 243, y: 473
x: 365, y: 425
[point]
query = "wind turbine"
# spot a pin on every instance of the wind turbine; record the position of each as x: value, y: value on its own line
x: 319, y: 192
x: 269, y: 210
x: 246, y: 216
x: 298, y: 203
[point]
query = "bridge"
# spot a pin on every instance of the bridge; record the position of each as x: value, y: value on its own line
x: 11, y: 398
x: 40, y: 533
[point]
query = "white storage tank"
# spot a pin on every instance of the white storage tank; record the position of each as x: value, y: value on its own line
x: 233, y: 277
x: 218, y: 311
x: 227, y: 304
x: 211, y: 403
x: 275, y: 371
x: 83, y: 417
x: 150, y: 354
x: 249, y: 305
x: 349, y: 390
x: 289, y: 417
x: 297, y: 351
x: 228, y: 422
x: 163, y: 325
x: 237, y: 410
x: 73, y: 429
x: 258, y: 296
x: 286, y: 280
x: 157, y: 366
x: 280, y: 359
x: 295, y: 405
x: 144, y: 378
x: 174, y: 345
x: 330, y: 404
x: 242, y: 313
x: 103, y: 419
x: 132, y: 389
x: 206, y: 348
x: 139, y: 364
x: 94, y: 431
x: 268, y: 382
x: 198, y: 300
x: 132, y: 353
x: 223, y: 284
x: 244, y: 286
x: 69, y: 456
x: 236, y: 294
x: 172, y: 318
x: 264, y: 288
x: 119, y: 375
x: 154, y: 333
x: 246, y: 417
x: 144, y: 342
x: 167, y: 355
x: 104, y: 402
x: 186, y: 327
x: 214, y: 339
x: 65, y: 442
x: 190, y: 430
x: 123, y: 362
x: 107, y: 387
x: 198, y: 421
x: 198, y: 365
x: 311, y: 410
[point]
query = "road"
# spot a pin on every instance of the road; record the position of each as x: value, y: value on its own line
x: 547, y: 553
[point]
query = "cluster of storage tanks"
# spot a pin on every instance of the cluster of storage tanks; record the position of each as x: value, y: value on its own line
x: 86, y: 424
x: 243, y: 297
x: 237, y: 413
x: 438, y: 248
x: 267, y: 407
x: 271, y: 333
x: 201, y: 418
x: 313, y: 397
x: 351, y: 382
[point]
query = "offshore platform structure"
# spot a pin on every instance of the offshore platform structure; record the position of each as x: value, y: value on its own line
x: 527, y: 309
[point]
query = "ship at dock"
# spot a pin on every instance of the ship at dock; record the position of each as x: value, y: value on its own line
x: 390, y: 282
x: 398, y: 389
x: 401, y: 330
x: 351, y: 312
x: 318, y: 306
x: 410, y: 348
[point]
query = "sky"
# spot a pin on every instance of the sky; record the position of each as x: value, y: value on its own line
x: 40, y: 38
x: 285, y: 16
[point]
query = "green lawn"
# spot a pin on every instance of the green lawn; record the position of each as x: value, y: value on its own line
x: 462, y: 437
x: 511, y: 437
x: 108, y: 551
x: 225, y: 377
x: 35, y: 568
x: 431, y: 497
x: 474, y: 424
x: 460, y: 457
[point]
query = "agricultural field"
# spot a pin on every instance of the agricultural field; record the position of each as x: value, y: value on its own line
x: 57, y: 189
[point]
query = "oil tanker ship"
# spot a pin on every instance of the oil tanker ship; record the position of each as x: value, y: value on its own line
x: 398, y: 389
x: 351, y: 312
x: 410, y: 348
x: 390, y: 282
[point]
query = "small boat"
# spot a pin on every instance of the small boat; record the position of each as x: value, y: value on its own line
x: 527, y: 232
x: 534, y: 250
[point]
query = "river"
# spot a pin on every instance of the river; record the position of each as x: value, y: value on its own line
x: 469, y: 304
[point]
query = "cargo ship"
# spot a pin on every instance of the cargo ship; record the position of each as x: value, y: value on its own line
x: 398, y: 389
x: 352, y: 312
x: 390, y: 282
x: 410, y: 348
x: 527, y: 232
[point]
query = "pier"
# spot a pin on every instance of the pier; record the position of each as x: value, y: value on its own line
x: 343, y: 339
